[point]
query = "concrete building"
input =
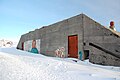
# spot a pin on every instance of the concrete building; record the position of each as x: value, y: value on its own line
x: 76, y: 35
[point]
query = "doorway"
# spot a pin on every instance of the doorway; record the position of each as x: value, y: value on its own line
x: 73, y: 46
x: 22, y: 45
x: 86, y: 54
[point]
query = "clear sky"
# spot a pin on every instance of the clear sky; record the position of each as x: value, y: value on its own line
x: 18, y: 17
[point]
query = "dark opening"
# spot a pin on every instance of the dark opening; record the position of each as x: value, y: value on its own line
x: 22, y: 45
x: 86, y: 52
x: 84, y: 44
x: 116, y: 50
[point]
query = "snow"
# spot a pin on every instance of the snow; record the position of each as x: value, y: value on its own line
x: 5, y: 43
x: 20, y: 65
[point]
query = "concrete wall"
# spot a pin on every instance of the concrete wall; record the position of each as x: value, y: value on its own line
x: 107, y: 41
x: 56, y: 35
x: 100, y: 57
x: 88, y: 31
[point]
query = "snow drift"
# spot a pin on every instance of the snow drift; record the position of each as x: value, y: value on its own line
x: 21, y: 65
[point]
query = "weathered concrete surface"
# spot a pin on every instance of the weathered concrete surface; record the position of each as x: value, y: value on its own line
x: 106, y: 39
x: 56, y: 35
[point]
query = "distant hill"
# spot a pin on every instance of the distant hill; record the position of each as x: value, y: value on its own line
x: 6, y: 43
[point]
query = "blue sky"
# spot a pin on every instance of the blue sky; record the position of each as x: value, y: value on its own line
x: 18, y: 17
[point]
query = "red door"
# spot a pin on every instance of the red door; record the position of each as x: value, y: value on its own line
x: 22, y: 45
x: 73, y: 46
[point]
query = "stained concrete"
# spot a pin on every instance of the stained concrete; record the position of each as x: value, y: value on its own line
x: 88, y: 31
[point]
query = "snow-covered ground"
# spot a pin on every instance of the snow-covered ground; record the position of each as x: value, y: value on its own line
x: 20, y: 65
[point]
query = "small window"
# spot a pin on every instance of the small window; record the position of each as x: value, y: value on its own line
x: 86, y: 52
x: 84, y: 44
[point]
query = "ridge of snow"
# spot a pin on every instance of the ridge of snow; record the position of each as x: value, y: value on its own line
x: 21, y: 65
